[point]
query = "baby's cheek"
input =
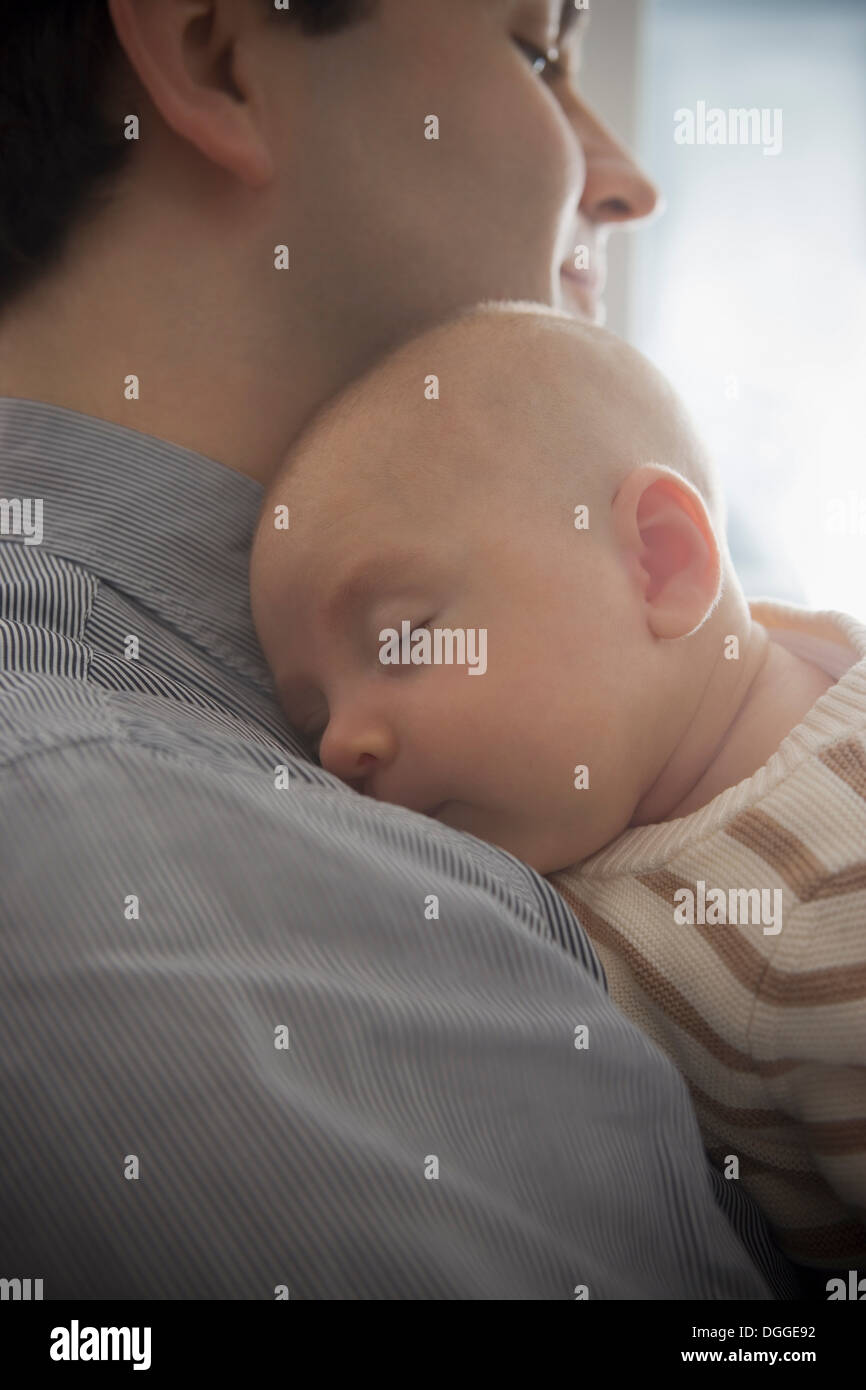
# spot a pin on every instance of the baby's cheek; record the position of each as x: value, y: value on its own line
x: 263, y: 594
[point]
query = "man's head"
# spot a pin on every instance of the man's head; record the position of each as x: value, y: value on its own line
x: 63, y: 76
x: 332, y: 101
x: 517, y: 475
x: 331, y: 122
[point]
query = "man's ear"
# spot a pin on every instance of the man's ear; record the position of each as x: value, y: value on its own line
x: 667, y: 538
x: 191, y: 59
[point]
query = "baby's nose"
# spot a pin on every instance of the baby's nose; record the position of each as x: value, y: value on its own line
x: 353, y: 750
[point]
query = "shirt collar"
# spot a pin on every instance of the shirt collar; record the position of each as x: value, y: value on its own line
x: 168, y: 527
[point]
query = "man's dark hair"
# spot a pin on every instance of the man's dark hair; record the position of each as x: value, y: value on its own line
x: 58, y: 149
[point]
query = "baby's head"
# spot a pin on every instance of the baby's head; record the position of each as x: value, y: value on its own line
x: 522, y: 494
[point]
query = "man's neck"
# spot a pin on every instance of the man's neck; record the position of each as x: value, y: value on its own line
x: 208, y: 375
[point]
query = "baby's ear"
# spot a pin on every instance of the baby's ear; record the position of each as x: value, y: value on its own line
x: 664, y: 531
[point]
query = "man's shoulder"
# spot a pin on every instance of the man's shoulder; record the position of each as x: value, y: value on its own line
x: 82, y: 663
x: 42, y: 712
x: 136, y: 767
x: 47, y: 715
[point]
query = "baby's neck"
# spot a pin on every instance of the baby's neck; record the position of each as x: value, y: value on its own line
x: 725, y: 745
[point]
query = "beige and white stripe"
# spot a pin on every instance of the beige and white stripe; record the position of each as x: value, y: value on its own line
x: 768, y: 1030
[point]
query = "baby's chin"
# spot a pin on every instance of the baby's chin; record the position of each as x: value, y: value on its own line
x: 504, y: 831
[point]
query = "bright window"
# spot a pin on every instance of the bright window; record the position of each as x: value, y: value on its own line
x: 750, y: 291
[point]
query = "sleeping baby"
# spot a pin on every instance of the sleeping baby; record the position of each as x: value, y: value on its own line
x: 492, y: 584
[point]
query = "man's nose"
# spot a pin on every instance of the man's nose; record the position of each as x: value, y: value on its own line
x: 616, y: 188
x: 354, y: 748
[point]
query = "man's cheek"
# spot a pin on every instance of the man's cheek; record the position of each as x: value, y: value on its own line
x: 534, y: 135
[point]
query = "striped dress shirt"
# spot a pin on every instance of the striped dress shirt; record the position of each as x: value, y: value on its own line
x: 261, y: 1036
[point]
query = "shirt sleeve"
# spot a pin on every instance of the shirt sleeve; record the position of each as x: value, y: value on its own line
x: 261, y: 1042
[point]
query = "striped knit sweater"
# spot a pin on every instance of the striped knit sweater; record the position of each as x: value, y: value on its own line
x: 764, y: 1012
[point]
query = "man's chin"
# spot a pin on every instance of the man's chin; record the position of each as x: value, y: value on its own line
x: 580, y: 301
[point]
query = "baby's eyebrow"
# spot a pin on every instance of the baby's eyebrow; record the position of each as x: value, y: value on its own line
x: 365, y: 578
